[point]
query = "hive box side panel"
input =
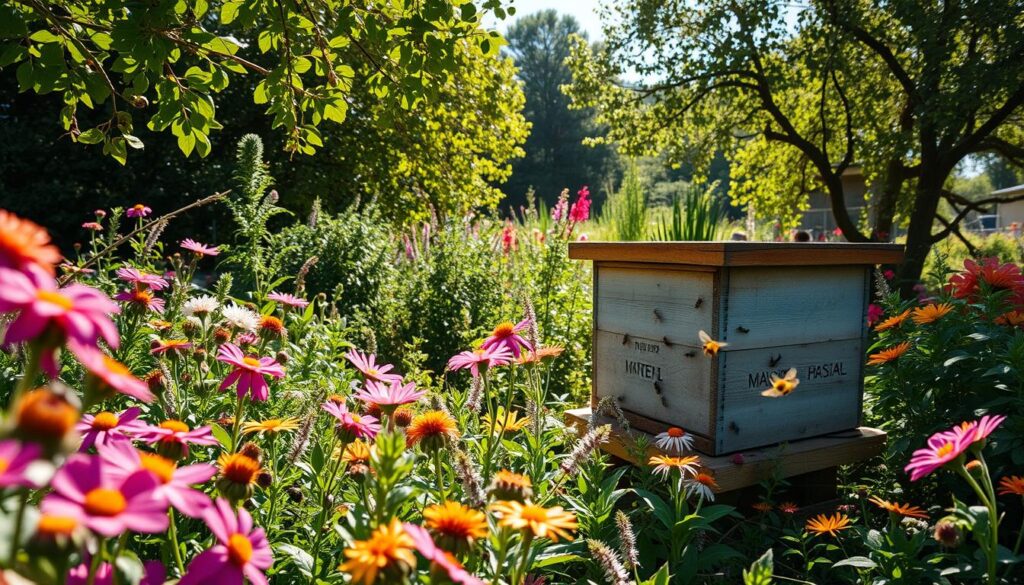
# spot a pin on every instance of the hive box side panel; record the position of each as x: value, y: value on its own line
x: 666, y: 383
x: 793, y: 305
x: 828, y: 398
x: 654, y: 303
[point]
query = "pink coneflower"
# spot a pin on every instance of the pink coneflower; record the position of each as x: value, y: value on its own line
x: 580, y: 210
x: 106, y: 427
x: 15, y: 459
x: 389, y: 397
x: 138, y: 210
x: 174, y: 484
x: 111, y: 373
x: 425, y: 546
x: 473, y: 360
x: 351, y: 425
x: 153, y: 573
x: 507, y: 335
x: 92, y: 226
x: 76, y: 312
x: 199, y: 249
x: 249, y: 372
x: 288, y: 299
x: 174, y: 437
x: 242, y: 551
x: 367, y: 364
x: 141, y: 279
x: 942, y: 448
x: 975, y: 431
x: 84, y: 492
x: 141, y: 298
x: 176, y: 346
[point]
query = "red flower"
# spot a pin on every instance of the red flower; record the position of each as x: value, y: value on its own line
x: 967, y: 284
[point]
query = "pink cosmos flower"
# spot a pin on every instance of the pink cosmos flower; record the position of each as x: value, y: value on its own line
x: 288, y: 299
x: 77, y: 312
x: 81, y: 490
x: 177, y: 434
x: 141, y: 279
x: 142, y: 298
x: 389, y: 397
x: 367, y: 364
x: 92, y: 226
x: 443, y: 559
x: 199, y: 249
x: 352, y: 424
x: 942, y: 448
x: 580, y: 210
x: 153, y: 573
x: 493, y: 356
x: 111, y: 373
x: 174, y: 484
x: 107, y: 427
x: 507, y: 335
x: 242, y: 551
x: 249, y: 372
x: 15, y: 459
x: 976, y: 431
x: 138, y: 210
x: 875, y: 312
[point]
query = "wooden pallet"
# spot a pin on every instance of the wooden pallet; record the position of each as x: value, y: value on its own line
x: 796, y: 458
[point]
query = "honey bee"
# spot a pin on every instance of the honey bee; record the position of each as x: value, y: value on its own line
x: 709, y: 345
x: 782, y: 386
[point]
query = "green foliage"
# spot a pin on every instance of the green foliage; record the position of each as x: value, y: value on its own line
x: 626, y: 211
x: 760, y: 572
x: 697, y: 216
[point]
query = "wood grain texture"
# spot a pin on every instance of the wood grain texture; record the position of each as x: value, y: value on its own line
x: 787, y: 459
x: 656, y: 304
x: 738, y: 253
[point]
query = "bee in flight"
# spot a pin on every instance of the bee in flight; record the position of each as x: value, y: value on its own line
x: 782, y: 386
x: 709, y: 345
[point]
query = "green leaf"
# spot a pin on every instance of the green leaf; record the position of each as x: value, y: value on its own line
x: 760, y: 572
x: 856, y: 562
x: 229, y: 12
x: 91, y: 136
x: 221, y: 435
x: 302, y: 559
x: 133, y: 141
x: 12, y: 25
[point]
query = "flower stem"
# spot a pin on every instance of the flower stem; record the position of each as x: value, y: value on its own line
x: 19, y: 520
x: 524, y: 561
x: 438, y: 470
x: 237, y: 424
x: 173, y: 530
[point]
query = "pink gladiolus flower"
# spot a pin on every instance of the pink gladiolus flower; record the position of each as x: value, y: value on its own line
x: 174, y: 484
x: 106, y: 427
x: 138, y: 210
x: 354, y: 425
x: 976, y: 431
x: 199, y: 249
x: 141, y: 279
x: 76, y: 312
x: 507, y: 335
x: 580, y: 210
x: 241, y: 552
x: 83, y: 491
x: 430, y: 551
x: 288, y: 299
x: 15, y: 459
x: 249, y: 372
x: 367, y: 364
x: 389, y: 397
x: 942, y: 448
x: 177, y: 434
x: 560, y: 209
x: 112, y: 373
x: 494, y: 356
x: 142, y: 298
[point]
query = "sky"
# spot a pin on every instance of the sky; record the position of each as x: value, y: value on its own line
x: 585, y: 12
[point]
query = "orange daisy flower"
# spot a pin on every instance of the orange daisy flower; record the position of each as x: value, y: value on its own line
x: 389, y: 550
x: 1013, y: 484
x: 540, y: 354
x: 506, y: 485
x: 894, y: 321
x: 823, y: 524
x: 356, y: 452
x: 553, y: 523
x: 931, y: 313
x: 763, y: 507
x: 888, y: 354
x: 899, y: 509
x: 238, y: 473
x: 664, y: 464
x: 1011, y: 318
x: 454, y: 525
x: 23, y: 242
x: 788, y: 508
x: 431, y: 429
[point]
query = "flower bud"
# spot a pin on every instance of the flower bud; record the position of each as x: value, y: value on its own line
x: 947, y: 533
x: 264, y: 479
x: 252, y: 451
x: 510, y: 486
x: 282, y: 357
x: 221, y: 335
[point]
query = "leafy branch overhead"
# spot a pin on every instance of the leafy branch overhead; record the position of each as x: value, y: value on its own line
x: 162, y: 63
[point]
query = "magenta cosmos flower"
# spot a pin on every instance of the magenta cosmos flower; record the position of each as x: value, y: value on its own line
x: 352, y: 425
x: 942, y: 448
x: 242, y: 551
x: 77, y: 312
x: 199, y: 249
x: 367, y: 364
x: 82, y: 490
x: 174, y: 483
x: 141, y: 279
x: 176, y: 436
x: 389, y: 397
x: 248, y: 372
x: 141, y: 298
x: 288, y: 299
x: 138, y: 210
x: 507, y: 335
x: 15, y: 459
x: 493, y: 356
x: 104, y: 427
x: 979, y: 430
x: 443, y: 559
x: 110, y: 373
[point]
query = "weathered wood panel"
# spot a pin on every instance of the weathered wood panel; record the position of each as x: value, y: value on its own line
x: 827, y: 399
x: 739, y: 253
x: 668, y: 383
x: 766, y: 307
x: 655, y: 304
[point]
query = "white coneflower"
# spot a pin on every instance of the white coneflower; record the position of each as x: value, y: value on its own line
x: 674, y: 439
x: 469, y: 478
x: 703, y: 485
x: 200, y: 306
x: 627, y: 540
x: 584, y: 448
x: 614, y: 572
x: 240, y: 317
x: 476, y: 391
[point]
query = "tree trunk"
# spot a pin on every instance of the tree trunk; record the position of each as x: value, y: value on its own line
x: 888, y: 196
x: 919, y: 235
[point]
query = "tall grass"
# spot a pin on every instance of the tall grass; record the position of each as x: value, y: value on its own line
x: 626, y: 210
x: 697, y: 215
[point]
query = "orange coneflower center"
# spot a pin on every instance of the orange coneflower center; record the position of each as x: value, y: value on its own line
x: 356, y: 418
x: 455, y: 520
x: 138, y: 207
x: 56, y: 525
x: 142, y: 296
x: 105, y: 421
x: 676, y: 432
x: 161, y: 467
x: 272, y: 323
x: 43, y: 413
x: 239, y: 549
x: 251, y: 362
x: 104, y: 502
x: 55, y: 298
x: 705, y: 479
x: 174, y: 425
x: 505, y: 329
x: 239, y: 468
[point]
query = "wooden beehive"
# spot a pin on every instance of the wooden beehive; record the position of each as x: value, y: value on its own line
x: 776, y: 305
